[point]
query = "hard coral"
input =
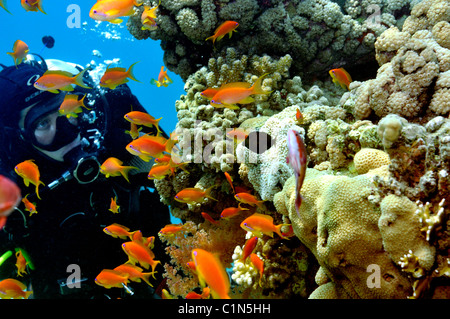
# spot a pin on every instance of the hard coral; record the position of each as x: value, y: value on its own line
x: 338, y: 223
x: 317, y: 32
x: 412, y: 62
x: 369, y: 158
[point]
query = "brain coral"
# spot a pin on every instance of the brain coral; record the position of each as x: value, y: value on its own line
x: 414, y: 64
x: 339, y: 225
x: 318, y: 32
x: 369, y: 158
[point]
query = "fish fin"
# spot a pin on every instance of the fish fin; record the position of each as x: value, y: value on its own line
x: 211, y: 38
x: 231, y: 106
x: 116, y: 21
x: 278, y: 230
x: 78, y: 80
x: 68, y: 88
x: 130, y: 72
x: 3, y: 5
x: 26, y: 181
x: 146, y: 276
x: 124, y: 171
x: 40, y: 8
x: 247, y: 100
x: 256, y: 88
x: 268, y: 217
x: 346, y: 74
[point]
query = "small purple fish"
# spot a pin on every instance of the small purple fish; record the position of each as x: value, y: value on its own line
x: 297, y: 160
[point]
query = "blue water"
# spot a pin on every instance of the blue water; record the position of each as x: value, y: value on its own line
x: 77, y: 44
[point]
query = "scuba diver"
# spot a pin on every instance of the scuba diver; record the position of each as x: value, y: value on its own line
x: 65, y: 238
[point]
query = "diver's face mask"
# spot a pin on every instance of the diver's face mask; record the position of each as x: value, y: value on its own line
x: 59, y: 138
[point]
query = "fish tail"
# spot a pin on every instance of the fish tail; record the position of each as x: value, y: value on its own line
x: 3, y: 5
x: 138, y: 3
x: 124, y: 171
x: 278, y: 230
x: 78, y: 80
x: 82, y: 102
x: 40, y: 8
x: 213, y: 38
x: 146, y: 277
x: 257, y: 86
x: 208, y: 191
x: 130, y: 72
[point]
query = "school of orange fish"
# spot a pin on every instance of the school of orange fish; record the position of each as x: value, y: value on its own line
x: 210, y: 271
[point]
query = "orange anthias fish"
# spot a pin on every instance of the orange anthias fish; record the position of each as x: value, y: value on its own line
x: 147, y: 147
x: 114, y: 77
x: 250, y: 199
x: 229, y: 179
x: 341, y: 77
x: 109, y: 278
x: 113, y: 167
x: 299, y: 116
x: 210, y: 92
x: 148, y: 18
x: 118, y: 231
x: 260, y: 224
x: 13, y: 289
x: 171, y: 229
x: 163, y: 79
x: 297, y: 160
x: 29, y: 206
x: 232, y: 211
x: 135, y: 273
x: 133, y: 131
x: 193, y: 195
x: 21, y: 263
x: 209, y: 218
x: 211, y: 272
x: 29, y: 171
x: 112, y: 10
x: 249, y: 246
x: 237, y: 93
x: 71, y: 106
x: 222, y: 30
x: 160, y: 171
x: 146, y: 241
x: 32, y: 5
x: 142, y: 118
x: 9, y: 198
x: 259, y: 265
x: 20, y: 51
x: 53, y: 81
x: 113, y: 207
x: 193, y: 295
x: 237, y: 134
x: 138, y: 253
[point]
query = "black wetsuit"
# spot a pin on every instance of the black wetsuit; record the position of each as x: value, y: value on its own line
x: 66, y: 235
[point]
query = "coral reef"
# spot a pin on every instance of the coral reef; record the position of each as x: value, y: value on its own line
x: 374, y: 220
x: 319, y: 33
